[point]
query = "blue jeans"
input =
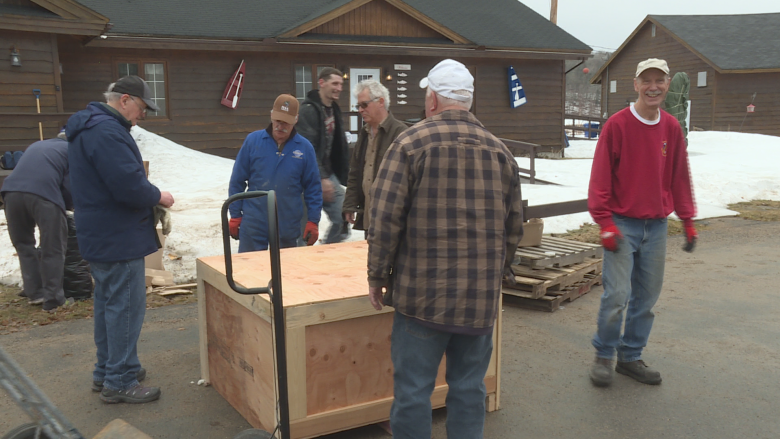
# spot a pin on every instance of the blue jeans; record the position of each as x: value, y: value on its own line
x: 633, y: 276
x: 120, y: 306
x: 416, y: 351
x: 339, y: 230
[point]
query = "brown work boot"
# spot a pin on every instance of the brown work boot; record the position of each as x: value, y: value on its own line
x: 601, y: 372
x: 639, y: 371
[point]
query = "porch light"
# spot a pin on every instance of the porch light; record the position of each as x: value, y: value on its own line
x: 16, y: 61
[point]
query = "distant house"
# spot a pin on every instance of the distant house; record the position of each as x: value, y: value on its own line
x: 733, y: 61
x: 188, y: 50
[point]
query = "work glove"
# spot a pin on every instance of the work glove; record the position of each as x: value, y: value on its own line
x: 611, y: 237
x: 690, y: 235
x: 233, y: 225
x: 311, y: 233
x: 163, y: 216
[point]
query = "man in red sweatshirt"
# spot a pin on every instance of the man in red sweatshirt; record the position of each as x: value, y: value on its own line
x: 640, y: 175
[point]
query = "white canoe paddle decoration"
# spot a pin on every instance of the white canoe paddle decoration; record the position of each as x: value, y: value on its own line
x: 232, y: 93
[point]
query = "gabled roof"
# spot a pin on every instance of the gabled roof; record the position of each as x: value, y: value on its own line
x: 729, y: 43
x: 52, y: 16
x: 499, y: 24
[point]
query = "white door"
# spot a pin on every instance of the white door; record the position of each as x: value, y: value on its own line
x: 357, y: 75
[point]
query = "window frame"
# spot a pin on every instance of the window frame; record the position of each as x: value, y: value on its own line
x: 314, y: 69
x: 141, y: 62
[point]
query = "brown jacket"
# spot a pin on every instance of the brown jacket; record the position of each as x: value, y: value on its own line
x: 355, y: 199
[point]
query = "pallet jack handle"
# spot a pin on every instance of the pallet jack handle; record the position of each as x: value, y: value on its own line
x: 274, y: 291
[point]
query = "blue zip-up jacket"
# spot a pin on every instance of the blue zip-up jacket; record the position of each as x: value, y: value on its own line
x: 112, y: 197
x: 43, y: 171
x: 261, y: 167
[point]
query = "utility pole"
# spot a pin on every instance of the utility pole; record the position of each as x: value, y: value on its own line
x: 554, y: 11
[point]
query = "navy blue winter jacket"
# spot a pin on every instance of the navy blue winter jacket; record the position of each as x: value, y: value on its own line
x: 43, y: 171
x: 112, y: 197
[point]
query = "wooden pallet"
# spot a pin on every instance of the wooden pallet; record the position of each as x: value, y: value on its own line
x: 553, y: 300
x: 556, y: 252
x: 535, y: 283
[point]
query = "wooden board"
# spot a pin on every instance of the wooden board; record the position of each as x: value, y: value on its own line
x: 557, y: 252
x: 553, y: 300
x: 535, y: 283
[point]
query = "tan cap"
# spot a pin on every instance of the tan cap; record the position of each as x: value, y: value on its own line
x: 652, y: 63
x: 285, y: 109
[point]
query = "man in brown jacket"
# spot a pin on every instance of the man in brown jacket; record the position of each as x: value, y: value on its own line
x: 446, y: 218
x: 379, y: 131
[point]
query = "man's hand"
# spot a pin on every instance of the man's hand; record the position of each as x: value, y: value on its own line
x: 311, y: 233
x: 327, y: 190
x: 349, y: 217
x: 233, y: 225
x: 166, y: 199
x: 611, y: 237
x: 690, y: 235
x: 375, y: 296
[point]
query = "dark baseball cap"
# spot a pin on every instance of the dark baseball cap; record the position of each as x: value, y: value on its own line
x: 135, y: 86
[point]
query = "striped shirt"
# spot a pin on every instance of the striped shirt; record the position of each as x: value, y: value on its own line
x: 446, y: 209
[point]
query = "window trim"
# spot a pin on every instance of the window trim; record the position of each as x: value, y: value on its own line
x: 141, y: 73
x: 314, y: 74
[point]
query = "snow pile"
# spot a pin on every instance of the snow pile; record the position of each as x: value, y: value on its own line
x: 726, y: 168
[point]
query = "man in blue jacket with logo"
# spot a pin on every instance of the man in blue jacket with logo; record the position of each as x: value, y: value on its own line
x: 279, y: 159
x: 114, y: 203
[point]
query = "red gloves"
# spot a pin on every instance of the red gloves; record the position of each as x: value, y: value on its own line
x: 233, y: 225
x: 611, y: 237
x: 690, y: 235
x: 311, y: 233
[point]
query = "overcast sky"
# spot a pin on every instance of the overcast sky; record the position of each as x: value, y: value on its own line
x: 605, y: 24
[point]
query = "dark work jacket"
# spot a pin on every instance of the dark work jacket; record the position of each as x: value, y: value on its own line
x: 113, y: 199
x: 43, y: 171
x: 311, y: 125
x: 355, y: 199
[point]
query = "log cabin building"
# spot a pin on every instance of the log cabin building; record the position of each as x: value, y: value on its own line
x: 733, y: 62
x: 188, y: 50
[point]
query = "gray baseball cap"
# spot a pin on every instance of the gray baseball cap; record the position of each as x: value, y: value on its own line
x: 135, y: 86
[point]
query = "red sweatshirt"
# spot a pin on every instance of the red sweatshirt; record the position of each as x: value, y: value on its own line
x: 640, y: 171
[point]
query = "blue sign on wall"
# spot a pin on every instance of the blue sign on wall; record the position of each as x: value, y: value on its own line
x: 516, y: 92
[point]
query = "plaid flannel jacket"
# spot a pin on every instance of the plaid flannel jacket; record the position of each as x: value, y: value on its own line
x: 446, y: 219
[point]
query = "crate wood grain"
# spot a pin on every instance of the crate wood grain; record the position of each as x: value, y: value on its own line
x: 553, y: 300
x: 556, y: 252
x: 535, y: 283
x: 340, y: 375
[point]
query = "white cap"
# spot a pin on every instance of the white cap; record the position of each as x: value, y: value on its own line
x: 448, y: 76
x: 652, y: 63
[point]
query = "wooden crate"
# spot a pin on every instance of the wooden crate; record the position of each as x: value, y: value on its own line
x: 553, y: 300
x: 338, y: 346
x: 557, y: 252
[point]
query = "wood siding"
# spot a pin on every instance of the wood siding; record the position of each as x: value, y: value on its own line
x: 735, y: 92
x: 197, y: 79
x: 39, y: 70
x: 680, y: 59
x: 376, y: 18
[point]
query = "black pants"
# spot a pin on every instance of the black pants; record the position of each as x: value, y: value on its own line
x: 41, y: 274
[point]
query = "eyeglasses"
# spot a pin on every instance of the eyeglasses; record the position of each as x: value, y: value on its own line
x: 142, y: 108
x: 364, y: 104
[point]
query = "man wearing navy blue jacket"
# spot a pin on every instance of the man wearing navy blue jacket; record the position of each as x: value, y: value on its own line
x: 279, y: 159
x: 114, y: 204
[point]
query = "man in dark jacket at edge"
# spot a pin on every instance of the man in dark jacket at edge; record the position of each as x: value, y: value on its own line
x: 37, y: 193
x: 319, y: 121
x: 379, y: 131
x: 114, y: 203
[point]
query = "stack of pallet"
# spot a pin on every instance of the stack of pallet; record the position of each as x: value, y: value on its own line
x: 556, y: 271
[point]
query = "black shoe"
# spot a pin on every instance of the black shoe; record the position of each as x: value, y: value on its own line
x: 601, y: 372
x: 639, y: 371
x: 97, y: 386
x: 133, y: 395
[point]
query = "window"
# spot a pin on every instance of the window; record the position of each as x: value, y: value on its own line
x: 306, y: 78
x: 702, y: 79
x: 652, y: 30
x: 613, y: 86
x: 154, y: 75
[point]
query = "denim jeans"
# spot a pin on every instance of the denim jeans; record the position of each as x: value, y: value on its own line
x: 120, y: 306
x: 416, y: 351
x: 633, y: 276
x: 339, y: 230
